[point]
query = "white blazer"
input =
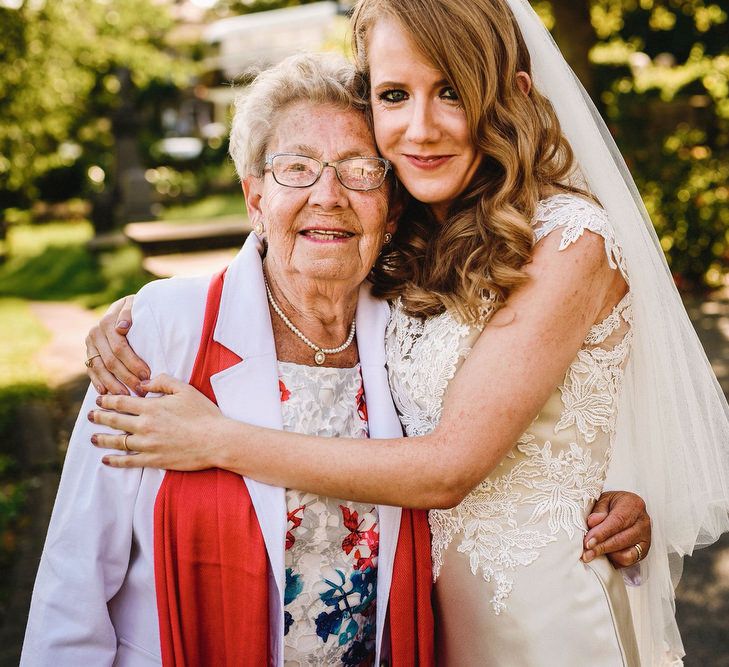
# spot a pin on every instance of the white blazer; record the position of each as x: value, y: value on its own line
x: 94, y: 599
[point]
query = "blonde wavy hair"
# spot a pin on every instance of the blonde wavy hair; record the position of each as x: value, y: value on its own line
x: 483, y: 246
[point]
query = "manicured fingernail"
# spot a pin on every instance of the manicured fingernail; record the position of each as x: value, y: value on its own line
x: 144, y: 376
x: 105, y: 460
x: 91, y: 415
x: 140, y: 391
x: 98, y: 401
x: 100, y: 390
x: 588, y: 556
x: 94, y: 440
x: 124, y: 324
x: 591, y: 543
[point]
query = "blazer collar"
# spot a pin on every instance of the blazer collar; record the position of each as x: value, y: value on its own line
x: 244, y: 322
x: 372, y: 318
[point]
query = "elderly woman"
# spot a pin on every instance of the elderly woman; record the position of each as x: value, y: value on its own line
x: 209, y: 568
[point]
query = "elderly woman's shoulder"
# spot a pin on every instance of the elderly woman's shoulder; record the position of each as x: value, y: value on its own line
x: 174, y: 301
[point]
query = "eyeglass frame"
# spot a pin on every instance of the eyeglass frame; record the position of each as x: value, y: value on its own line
x: 268, y: 164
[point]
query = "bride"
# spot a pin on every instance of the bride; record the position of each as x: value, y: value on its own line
x: 536, y: 338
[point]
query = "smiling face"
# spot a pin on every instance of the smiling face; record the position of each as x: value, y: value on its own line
x: 420, y: 125
x: 323, y: 232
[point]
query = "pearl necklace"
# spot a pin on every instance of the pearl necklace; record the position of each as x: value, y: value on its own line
x: 319, y: 352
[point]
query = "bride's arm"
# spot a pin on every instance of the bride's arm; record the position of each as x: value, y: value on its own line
x: 516, y: 364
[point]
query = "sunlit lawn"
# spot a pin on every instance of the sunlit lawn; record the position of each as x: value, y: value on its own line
x: 21, y: 337
x: 51, y: 262
x: 213, y: 206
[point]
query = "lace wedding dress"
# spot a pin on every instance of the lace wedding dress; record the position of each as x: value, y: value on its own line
x: 510, y: 586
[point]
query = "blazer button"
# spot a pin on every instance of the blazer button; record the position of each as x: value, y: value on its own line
x: 384, y: 663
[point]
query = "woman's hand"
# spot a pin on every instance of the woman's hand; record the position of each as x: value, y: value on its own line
x: 112, y: 362
x: 173, y: 431
x: 617, y: 523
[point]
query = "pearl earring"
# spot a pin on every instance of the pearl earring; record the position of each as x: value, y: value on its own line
x: 258, y: 228
x: 388, y: 237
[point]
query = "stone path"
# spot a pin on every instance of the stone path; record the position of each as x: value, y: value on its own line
x: 702, y: 596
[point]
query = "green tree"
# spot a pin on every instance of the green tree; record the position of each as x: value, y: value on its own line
x: 659, y: 70
x: 665, y: 71
x: 58, y: 86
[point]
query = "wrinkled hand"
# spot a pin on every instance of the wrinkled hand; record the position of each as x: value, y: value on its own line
x: 174, y: 431
x: 618, y: 522
x: 117, y: 364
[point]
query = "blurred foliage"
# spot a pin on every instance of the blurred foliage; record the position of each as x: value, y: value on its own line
x: 225, y: 8
x: 661, y: 77
x: 13, y: 494
x: 59, y: 62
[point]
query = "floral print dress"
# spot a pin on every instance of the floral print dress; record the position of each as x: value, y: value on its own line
x: 331, y: 545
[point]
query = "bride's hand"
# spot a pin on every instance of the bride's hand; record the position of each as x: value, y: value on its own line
x: 111, y: 361
x: 174, y: 431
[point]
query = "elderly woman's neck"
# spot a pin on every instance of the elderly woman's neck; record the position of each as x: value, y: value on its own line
x: 322, y: 309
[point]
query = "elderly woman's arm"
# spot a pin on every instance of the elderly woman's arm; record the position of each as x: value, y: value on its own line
x: 84, y: 560
x: 89, y: 546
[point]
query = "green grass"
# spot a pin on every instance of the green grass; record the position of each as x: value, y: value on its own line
x: 52, y: 263
x: 213, y: 206
x: 21, y: 338
x: 28, y: 240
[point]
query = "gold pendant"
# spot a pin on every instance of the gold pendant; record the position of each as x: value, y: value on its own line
x: 320, y: 357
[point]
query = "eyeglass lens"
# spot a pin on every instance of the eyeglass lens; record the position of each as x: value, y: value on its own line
x: 300, y: 171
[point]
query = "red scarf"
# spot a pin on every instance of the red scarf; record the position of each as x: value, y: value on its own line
x: 211, y: 567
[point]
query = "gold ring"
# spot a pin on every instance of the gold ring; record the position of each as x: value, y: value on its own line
x: 126, y: 447
x: 89, y: 361
x: 639, y: 551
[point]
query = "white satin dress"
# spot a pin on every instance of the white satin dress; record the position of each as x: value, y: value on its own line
x: 510, y: 587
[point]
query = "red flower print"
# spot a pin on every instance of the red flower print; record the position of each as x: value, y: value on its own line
x: 294, y: 522
x: 285, y: 393
x: 361, y: 402
x: 362, y: 544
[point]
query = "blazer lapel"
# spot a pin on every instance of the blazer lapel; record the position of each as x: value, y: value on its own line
x: 372, y: 317
x: 248, y: 391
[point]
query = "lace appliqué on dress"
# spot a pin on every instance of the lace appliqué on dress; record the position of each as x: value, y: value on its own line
x: 593, y: 381
x: 541, y: 488
x: 422, y: 353
x: 575, y: 215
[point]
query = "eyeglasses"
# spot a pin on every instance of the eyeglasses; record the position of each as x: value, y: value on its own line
x: 354, y: 173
